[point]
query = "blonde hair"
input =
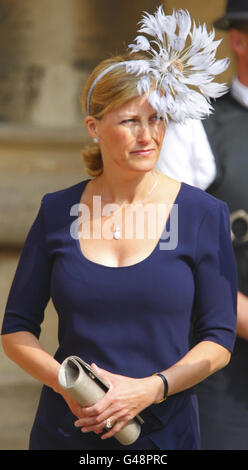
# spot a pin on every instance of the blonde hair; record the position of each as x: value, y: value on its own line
x: 113, y: 90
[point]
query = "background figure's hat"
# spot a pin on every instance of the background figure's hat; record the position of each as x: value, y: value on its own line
x: 236, y: 10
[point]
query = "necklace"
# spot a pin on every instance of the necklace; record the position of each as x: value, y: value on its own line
x: 117, y: 228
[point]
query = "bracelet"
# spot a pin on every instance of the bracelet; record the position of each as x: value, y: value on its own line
x: 165, y: 386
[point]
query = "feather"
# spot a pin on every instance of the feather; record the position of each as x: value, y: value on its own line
x: 151, y: 27
x: 142, y: 44
x: 184, y: 24
x: 198, y: 78
x: 219, y: 66
x: 168, y: 25
x: 214, y: 90
x: 177, y: 68
x: 144, y: 85
x: 200, y: 61
x: 138, y: 67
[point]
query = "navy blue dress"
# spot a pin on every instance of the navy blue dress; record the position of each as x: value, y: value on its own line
x: 132, y: 320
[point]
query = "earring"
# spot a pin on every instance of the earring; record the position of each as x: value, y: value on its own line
x: 95, y: 140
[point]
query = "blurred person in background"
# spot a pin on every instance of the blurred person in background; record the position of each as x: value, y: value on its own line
x: 213, y: 155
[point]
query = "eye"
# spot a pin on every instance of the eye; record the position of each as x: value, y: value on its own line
x: 157, y: 118
x: 126, y: 121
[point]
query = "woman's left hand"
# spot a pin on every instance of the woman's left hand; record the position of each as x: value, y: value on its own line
x: 125, y: 399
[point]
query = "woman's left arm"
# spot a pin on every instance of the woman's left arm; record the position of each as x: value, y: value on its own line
x: 127, y: 397
x: 201, y: 361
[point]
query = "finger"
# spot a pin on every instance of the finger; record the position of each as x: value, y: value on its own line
x: 100, y: 418
x: 99, y: 407
x: 97, y: 421
x: 114, y: 418
x: 104, y: 374
x: 119, y: 424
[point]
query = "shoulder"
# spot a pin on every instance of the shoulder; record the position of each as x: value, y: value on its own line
x: 207, y: 218
x: 224, y: 108
x: 191, y: 198
x: 68, y: 195
x: 57, y: 206
x: 200, y: 203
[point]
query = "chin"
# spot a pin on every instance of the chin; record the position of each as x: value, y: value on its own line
x: 142, y: 166
x: 146, y: 166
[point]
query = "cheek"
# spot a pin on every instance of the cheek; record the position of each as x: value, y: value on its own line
x: 122, y: 139
x: 159, y: 135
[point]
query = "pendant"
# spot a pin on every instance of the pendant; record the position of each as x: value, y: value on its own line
x: 117, y: 233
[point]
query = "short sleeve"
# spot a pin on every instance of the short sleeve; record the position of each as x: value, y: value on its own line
x: 215, y: 305
x: 30, y: 289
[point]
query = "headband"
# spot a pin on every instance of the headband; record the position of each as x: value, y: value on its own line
x: 98, y: 78
x: 183, y: 74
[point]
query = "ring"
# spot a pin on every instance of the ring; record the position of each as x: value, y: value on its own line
x: 108, y: 424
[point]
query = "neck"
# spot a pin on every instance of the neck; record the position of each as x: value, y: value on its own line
x: 127, y: 189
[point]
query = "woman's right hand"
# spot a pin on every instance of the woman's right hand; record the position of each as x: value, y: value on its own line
x: 74, y: 406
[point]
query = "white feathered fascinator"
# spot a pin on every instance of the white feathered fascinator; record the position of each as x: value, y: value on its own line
x: 183, y: 73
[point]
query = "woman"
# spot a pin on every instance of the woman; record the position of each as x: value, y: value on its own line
x: 127, y: 306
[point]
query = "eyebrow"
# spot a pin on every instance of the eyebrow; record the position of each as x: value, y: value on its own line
x: 128, y: 114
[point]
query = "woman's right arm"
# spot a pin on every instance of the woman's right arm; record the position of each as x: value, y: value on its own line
x: 24, y: 313
x: 24, y: 349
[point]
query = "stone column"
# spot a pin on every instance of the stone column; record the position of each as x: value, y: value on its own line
x: 38, y: 80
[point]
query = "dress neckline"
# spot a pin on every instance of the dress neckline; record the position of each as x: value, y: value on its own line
x: 129, y: 266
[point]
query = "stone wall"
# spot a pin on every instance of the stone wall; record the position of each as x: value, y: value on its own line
x: 47, y: 50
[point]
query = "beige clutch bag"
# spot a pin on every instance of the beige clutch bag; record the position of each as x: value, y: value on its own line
x: 83, y: 384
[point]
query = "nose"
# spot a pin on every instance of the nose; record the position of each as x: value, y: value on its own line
x: 144, y: 133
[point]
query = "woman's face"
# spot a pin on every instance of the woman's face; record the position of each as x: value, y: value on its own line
x: 131, y: 136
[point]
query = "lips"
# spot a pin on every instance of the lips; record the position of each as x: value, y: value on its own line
x: 143, y: 151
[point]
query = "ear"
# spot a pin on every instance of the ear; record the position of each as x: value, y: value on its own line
x: 91, y: 125
x: 238, y: 42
